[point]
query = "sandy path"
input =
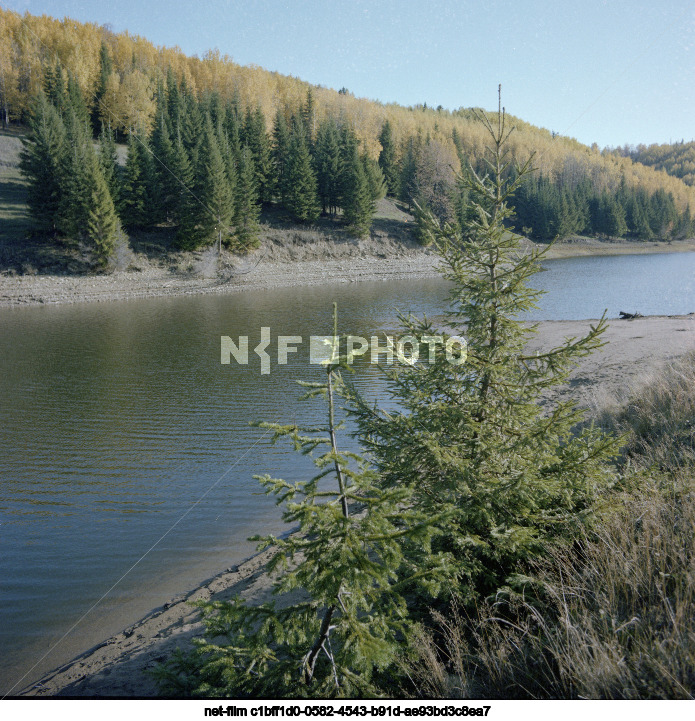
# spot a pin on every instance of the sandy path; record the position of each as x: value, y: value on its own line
x: 118, y: 667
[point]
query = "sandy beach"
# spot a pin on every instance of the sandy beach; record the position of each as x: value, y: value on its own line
x: 118, y: 667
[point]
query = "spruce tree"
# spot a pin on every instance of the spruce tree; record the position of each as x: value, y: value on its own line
x: 375, y: 178
x: 348, y: 627
x: 468, y: 427
x: 76, y: 100
x: 300, y: 193
x: 133, y: 201
x: 103, y: 225
x: 356, y: 196
x: 185, y: 206
x: 108, y: 162
x: 165, y: 179
x: 685, y: 225
x: 229, y: 158
x: 215, y: 194
x: 231, y: 127
x: 407, y: 189
x: 611, y: 216
x: 329, y: 166
x: 175, y: 110
x: 662, y: 214
x: 105, y: 70
x: 41, y: 163
x: 247, y: 207
x: 308, y: 117
x: 387, y: 158
x: 54, y: 86
x: 280, y: 153
x: 192, y: 123
x: 76, y: 181
x: 256, y: 138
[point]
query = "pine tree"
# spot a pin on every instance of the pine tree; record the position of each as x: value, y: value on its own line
x: 300, y: 190
x: 469, y: 429
x: 41, y: 161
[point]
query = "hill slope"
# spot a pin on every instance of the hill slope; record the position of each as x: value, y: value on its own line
x: 35, y: 43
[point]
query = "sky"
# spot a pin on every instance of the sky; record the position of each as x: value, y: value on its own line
x: 606, y: 72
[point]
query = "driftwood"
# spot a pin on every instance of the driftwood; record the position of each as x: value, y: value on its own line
x: 629, y: 316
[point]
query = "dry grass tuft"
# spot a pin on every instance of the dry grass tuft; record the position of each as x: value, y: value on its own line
x: 659, y: 417
x: 613, y: 619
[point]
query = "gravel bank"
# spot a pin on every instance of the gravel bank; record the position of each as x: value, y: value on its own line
x: 284, y: 260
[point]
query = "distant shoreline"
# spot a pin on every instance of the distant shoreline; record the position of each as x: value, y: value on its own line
x: 276, y: 266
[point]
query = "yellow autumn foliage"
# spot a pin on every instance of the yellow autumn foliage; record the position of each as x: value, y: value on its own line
x: 30, y: 43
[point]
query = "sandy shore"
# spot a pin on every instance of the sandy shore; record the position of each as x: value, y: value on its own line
x: 119, y: 666
x: 278, y: 263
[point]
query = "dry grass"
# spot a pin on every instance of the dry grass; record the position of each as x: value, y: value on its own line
x: 611, y: 620
x: 612, y: 617
x: 14, y: 219
x: 658, y: 418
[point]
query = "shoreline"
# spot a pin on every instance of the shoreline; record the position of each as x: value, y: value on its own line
x: 118, y: 666
x: 274, y: 265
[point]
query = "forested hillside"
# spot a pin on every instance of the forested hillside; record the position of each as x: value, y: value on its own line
x: 677, y: 159
x: 211, y: 143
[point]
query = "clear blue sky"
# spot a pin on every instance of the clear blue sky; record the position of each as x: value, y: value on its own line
x: 610, y: 72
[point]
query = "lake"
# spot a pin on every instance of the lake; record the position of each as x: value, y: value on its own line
x: 126, y: 454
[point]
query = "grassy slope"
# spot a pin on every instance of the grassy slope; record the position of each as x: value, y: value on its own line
x: 14, y: 218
